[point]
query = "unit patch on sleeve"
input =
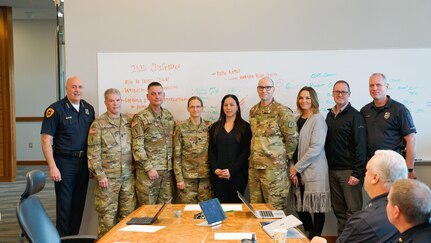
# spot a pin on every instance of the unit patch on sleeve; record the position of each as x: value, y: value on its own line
x: 49, y: 112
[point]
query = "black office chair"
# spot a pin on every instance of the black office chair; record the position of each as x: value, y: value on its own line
x: 35, y: 224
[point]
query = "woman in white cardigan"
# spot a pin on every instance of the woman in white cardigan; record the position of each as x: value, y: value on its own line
x: 309, y: 173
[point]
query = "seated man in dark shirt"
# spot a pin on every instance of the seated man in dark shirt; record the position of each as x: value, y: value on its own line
x: 409, y: 210
x: 372, y: 224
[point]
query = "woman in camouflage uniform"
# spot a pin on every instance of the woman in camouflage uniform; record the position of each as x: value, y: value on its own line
x: 191, y: 155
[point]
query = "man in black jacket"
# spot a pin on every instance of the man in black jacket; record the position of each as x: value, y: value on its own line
x: 346, y: 150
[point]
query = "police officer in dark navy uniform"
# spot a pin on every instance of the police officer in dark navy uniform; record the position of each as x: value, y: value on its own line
x: 64, y: 143
x: 409, y: 210
x: 389, y: 123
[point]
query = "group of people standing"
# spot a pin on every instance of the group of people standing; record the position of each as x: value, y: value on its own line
x: 322, y: 161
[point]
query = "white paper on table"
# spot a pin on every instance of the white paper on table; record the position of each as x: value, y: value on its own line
x: 142, y: 228
x: 232, y: 236
x: 192, y: 207
x: 232, y: 207
x: 213, y: 225
x: 226, y: 207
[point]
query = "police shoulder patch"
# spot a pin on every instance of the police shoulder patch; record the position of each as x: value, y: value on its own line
x: 49, y: 112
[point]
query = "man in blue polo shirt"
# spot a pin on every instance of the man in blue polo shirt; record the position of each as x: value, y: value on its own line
x: 64, y: 143
x: 389, y: 123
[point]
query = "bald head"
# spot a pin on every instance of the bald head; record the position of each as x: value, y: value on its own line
x: 265, y: 90
x: 266, y: 81
x: 74, y: 89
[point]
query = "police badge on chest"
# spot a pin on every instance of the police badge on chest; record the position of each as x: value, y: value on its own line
x: 387, y: 115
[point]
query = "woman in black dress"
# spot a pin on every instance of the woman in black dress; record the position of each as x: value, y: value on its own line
x: 229, y: 149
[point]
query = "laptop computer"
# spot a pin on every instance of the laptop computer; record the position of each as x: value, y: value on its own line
x: 283, y: 223
x: 148, y: 220
x: 262, y: 214
x: 214, y: 213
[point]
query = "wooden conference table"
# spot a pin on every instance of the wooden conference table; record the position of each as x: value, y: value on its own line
x: 184, y: 228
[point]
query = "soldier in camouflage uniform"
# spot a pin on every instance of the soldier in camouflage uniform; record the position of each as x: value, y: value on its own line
x: 152, y: 135
x: 110, y: 161
x: 273, y: 143
x: 191, y: 166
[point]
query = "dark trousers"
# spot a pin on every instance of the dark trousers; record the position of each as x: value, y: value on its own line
x: 345, y: 199
x: 225, y: 190
x: 313, y: 224
x: 70, y: 194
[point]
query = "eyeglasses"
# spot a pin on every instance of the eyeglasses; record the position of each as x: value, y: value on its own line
x: 340, y: 92
x: 267, y: 88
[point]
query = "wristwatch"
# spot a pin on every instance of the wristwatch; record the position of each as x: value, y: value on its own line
x: 410, y: 170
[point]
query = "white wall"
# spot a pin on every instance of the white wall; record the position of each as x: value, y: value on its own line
x: 35, y: 80
x: 241, y: 25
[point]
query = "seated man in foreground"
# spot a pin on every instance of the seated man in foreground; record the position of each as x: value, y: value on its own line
x: 409, y: 210
x: 371, y: 224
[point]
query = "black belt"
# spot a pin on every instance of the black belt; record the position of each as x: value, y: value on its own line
x: 71, y: 153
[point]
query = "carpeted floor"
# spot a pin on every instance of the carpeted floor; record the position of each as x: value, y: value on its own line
x: 10, y: 193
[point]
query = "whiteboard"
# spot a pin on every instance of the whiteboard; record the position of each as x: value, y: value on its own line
x: 211, y: 75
